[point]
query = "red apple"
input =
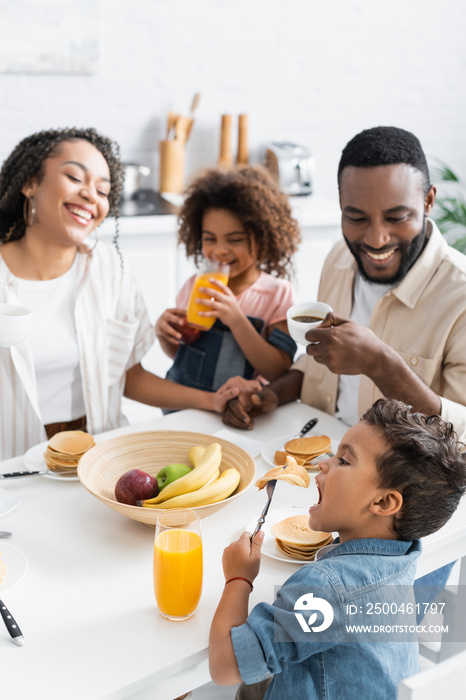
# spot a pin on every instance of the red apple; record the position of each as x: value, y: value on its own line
x: 135, y: 485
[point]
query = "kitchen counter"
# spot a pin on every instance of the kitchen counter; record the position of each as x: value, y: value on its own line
x: 311, y: 211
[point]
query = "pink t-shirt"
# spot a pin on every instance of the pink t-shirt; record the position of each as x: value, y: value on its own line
x: 268, y: 298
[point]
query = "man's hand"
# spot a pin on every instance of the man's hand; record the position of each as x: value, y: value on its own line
x: 239, y: 414
x: 241, y: 558
x: 344, y: 346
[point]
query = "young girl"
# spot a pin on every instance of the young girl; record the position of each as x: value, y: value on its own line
x: 241, y: 218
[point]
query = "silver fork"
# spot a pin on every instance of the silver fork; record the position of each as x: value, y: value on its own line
x: 320, y: 458
x: 270, y: 489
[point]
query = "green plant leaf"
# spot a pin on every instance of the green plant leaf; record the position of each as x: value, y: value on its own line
x: 460, y: 244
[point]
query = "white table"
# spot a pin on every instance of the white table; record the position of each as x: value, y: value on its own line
x: 86, y: 605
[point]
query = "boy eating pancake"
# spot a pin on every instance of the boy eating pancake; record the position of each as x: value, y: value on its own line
x: 397, y: 476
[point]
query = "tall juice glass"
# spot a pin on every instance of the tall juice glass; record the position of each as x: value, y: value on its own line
x: 178, y: 563
x: 209, y: 268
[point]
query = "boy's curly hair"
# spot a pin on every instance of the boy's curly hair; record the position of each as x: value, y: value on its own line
x: 425, y: 463
x: 251, y: 194
x: 26, y: 161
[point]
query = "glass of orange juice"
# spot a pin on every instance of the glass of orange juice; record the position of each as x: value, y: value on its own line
x: 178, y: 563
x: 208, y: 269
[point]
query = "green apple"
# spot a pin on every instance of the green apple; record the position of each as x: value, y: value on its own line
x: 170, y: 473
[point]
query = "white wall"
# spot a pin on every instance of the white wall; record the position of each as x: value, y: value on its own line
x: 312, y: 71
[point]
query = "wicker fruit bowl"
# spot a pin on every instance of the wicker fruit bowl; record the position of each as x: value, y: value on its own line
x: 100, y: 468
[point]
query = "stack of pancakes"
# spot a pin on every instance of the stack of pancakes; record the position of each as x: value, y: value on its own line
x: 65, y: 449
x: 297, y: 540
x: 304, y: 450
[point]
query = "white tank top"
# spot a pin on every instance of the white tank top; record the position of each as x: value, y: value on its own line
x: 54, y: 345
x: 365, y: 297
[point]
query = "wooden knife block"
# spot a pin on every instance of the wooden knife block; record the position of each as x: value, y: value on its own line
x: 171, y: 166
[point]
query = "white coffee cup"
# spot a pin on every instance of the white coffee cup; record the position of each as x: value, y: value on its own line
x: 14, y: 324
x: 312, y: 309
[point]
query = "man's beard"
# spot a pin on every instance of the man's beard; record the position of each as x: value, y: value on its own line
x: 409, y: 252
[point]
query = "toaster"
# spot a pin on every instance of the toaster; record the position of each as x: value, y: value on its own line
x: 291, y: 165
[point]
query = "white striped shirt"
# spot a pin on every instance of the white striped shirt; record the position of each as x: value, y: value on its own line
x: 114, y: 333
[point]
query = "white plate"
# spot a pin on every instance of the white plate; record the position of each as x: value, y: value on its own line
x: 34, y: 459
x: 253, y: 447
x: 15, y: 562
x: 269, y: 449
x: 7, y: 502
x: 269, y: 546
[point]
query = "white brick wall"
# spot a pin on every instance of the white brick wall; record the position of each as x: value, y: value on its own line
x: 312, y: 71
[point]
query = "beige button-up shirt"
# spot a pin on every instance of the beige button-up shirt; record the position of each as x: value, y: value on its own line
x: 423, y: 319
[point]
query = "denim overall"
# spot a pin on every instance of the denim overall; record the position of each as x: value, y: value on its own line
x: 215, y: 356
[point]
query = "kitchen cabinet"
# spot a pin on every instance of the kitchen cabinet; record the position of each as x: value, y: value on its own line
x: 149, y: 244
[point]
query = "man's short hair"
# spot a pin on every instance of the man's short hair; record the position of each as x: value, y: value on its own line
x: 424, y: 462
x: 385, y: 145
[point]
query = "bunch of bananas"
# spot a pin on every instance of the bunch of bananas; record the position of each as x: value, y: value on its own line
x: 202, y: 486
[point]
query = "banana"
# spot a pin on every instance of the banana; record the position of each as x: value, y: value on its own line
x: 195, y: 454
x: 213, y: 478
x: 198, y: 477
x: 212, y: 493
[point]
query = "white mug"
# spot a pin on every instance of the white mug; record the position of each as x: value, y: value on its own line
x: 14, y: 324
x: 315, y: 310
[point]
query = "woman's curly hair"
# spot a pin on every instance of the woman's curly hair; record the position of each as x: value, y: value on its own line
x: 251, y: 194
x: 26, y: 161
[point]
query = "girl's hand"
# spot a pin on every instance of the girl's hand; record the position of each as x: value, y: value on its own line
x: 243, y: 559
x: 165, y: 329
x: 222, y: 302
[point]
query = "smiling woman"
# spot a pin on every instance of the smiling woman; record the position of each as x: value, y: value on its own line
x: 89, y: 327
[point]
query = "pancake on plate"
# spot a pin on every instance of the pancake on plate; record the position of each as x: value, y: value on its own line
x: 291, y: 472
x: 65, y: 449
x: 304, y: 450
x: 296, y: 539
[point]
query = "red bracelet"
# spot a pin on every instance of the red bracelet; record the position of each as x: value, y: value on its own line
x: 240, y: 578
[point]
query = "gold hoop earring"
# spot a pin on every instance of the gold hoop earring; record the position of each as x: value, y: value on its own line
x: 96, y: 239
x: 29, y: 211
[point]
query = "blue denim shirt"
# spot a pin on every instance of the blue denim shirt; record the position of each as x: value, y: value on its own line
x: 333, y: 665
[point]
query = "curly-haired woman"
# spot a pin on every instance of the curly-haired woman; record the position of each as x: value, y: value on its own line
x: 238, y: 217
x: 90, y: 327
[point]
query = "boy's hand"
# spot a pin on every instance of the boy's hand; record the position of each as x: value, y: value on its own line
x: 241, y: 558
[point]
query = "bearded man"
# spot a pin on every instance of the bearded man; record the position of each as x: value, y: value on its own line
x: 398, y: 291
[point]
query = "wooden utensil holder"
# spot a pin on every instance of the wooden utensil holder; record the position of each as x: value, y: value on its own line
x: 171, y: 166
x: 225, y: 158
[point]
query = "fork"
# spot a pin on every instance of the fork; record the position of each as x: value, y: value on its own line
x: 270, y: 489
x: 320, y: 458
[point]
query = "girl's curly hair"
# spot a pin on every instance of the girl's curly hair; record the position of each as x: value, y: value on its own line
x: 251, y: 194
x: 26, y: 161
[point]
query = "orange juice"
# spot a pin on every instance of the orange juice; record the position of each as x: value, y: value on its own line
x: 192, y: 314
x: 177, y: 572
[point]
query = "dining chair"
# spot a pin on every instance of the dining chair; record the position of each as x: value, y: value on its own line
x: 446, y: 679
